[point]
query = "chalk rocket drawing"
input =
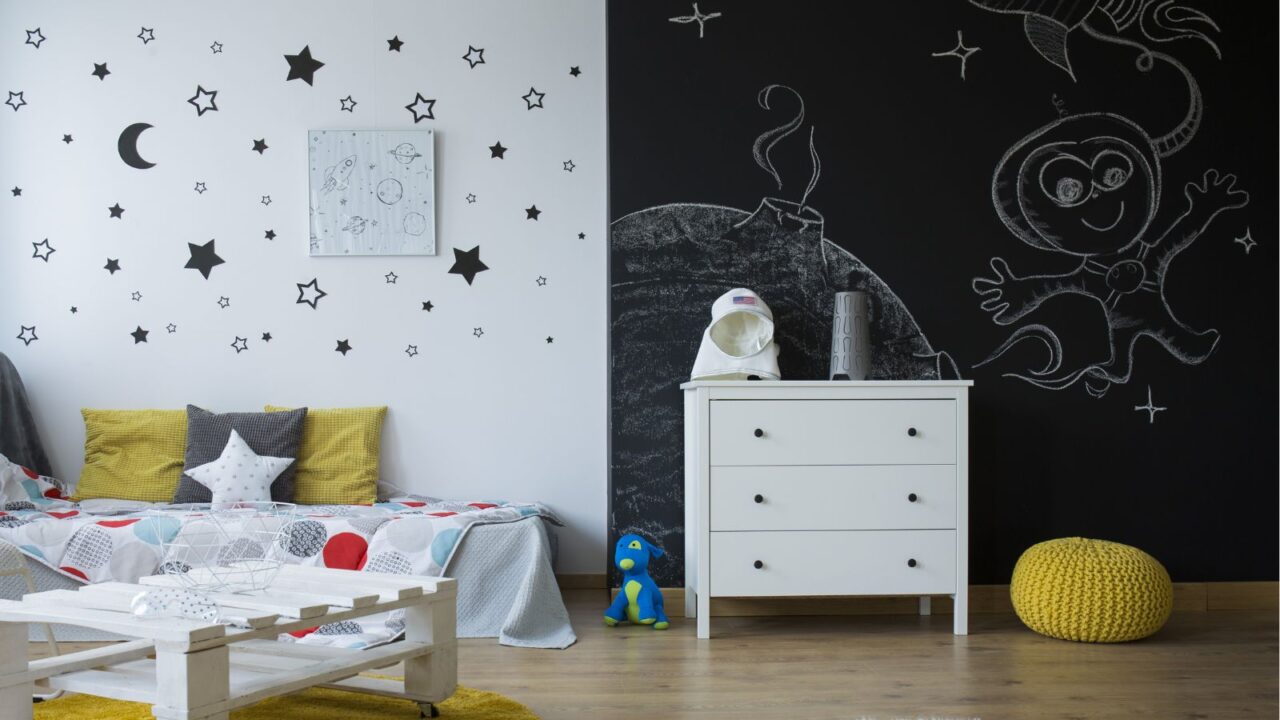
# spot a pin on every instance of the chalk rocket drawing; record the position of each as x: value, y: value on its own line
x: 670, y: 262
x: 1088, y: 187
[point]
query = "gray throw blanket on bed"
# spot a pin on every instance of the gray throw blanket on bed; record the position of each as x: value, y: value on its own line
x: 19, y: 440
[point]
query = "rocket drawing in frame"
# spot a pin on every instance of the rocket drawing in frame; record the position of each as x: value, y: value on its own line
x: 372, y: 192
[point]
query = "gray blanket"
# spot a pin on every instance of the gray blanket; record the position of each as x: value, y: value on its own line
x: 19, y: 440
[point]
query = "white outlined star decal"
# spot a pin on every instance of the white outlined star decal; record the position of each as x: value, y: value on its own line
x: 533, y: 98
x: 474, y: 56
x: 43, y: 250
x: 427, y: 114
x: 19, y: 97
x: 23, y: 334
x: 204, y: 100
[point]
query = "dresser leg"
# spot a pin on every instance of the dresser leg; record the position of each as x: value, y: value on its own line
x: 690, y: 601
x: 704, y: 616
x: 926, y: 605
x: 960, y: 621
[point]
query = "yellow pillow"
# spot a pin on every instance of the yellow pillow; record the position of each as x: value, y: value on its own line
x: 338, y: 459
x: 132, y: 454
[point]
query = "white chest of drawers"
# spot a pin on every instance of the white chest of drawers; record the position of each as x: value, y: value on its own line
x: 809, y: 488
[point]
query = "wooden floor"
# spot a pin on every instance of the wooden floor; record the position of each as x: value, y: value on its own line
x: 1202, y: 665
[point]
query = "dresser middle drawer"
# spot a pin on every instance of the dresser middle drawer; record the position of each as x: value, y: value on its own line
x: 834, y: 497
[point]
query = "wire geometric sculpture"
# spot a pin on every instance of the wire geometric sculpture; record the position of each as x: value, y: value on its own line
x: 224, y: 547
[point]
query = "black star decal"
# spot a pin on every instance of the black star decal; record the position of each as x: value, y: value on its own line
x: 224, y: 302
x: 411, y: 350
x: 146, y: 35
x: 427, y: 306
x: 116, y: 211
x: 66, y: 138
x: 35, y: 37
x: 348, y: 104
x: 302, y: 66
x: 204, y: 101
x: 344, y: 347
x: 532, y: 213
x: 112, y: 266
x: 240, y: 344
x: 203, y: 258
x: 216, y: 47
x: 533, y: 98
x: 474, y: 56
x: 24, y: 337
x: 43, y: 250
x: 74, y: 309
x: 260, y: 146
x: 270, y: 234
x: 427, y: 114
x: 16, y: 191
x: 266, y: 337
x: 497, y: 151
x: 467, y: 263
x: 100, y: 70
x: 550, y: 339
x: 394, y: 44
x: 575, y: 71
x: 139, y: 335
x: 310, y: 293
x: 18, y: 96
x: 582, y: 236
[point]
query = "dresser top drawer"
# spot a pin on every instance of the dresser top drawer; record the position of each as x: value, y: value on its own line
x: 833, y: 432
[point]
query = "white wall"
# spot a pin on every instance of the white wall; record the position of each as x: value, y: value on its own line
x: 504, y: 415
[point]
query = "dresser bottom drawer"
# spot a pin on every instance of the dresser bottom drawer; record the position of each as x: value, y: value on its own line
x: 833, y: 562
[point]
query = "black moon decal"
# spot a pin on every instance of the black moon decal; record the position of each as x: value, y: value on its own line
x: 128, y: 147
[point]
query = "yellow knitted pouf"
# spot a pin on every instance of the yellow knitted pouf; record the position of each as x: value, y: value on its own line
x: 1091, y: 591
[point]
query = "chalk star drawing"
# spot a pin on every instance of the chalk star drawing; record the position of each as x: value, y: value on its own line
x: 146, y: 35
x: 26, y: 338
x: 467, y: 263
x: 139, y: 335
x: 66, y: 138
x: 959, y: 51
x: 240, y: 344
x: 116, y: 211
x: 302, y: 66
x: 100, y: 71
x: 204, y: 100
x: 260, y: 146
x: 266, y: 200
x: 395, y: 44
x: 270, y: 234
x: 18, y: 191
x: 569, y: 166
x: 495, y: 150
x: 532, y: 212
x: 35, y: 35
x: 471, y: 197
x: 427, y: 306
x: 1246, y: 241
x: 43, y: 250
x: 542, y: 281
x: 427, y: 114
x: 136, y: 296
x: 1150, y: 408
x: 16, y: 96
x: 224, y: 302
x: 200, y: 188
x: 391, y: 278
x: 575, y: 71
x: 411, y: 350
x: 698, y: 16
x: 344, y: 347
x: 171, y: 328
x: 310, y: 293
x: 216, y: 47
x: 529, y: 98
x: 203, y: 258
x: 112, y: 266
x: 348, y: 105
x: 474, y: 56
x: 478, y: 332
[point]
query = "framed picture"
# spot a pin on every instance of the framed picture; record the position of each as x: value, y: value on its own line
x: 372, y: 192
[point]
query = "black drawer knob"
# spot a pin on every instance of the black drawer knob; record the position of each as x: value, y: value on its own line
x: 912, y: 432
x: 759, y: 564
x: 911, y: 562
x: 759, y: 499
x: 912, y: 497
x: 759, y: 432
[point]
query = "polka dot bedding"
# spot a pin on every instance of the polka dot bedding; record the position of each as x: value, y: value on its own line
x: 410, y: 535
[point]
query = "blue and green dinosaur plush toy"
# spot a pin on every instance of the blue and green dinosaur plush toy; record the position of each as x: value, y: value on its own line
x: 639, y: 600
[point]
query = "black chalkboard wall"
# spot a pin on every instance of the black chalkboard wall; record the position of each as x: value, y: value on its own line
x: 1071, y: 203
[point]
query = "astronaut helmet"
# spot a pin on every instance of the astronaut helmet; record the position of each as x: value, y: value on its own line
x: 738, y: 344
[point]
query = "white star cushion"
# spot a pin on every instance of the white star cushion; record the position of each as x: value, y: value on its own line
x: 240, y: 474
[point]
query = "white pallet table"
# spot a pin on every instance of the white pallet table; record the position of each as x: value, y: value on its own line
x: 203, y: 671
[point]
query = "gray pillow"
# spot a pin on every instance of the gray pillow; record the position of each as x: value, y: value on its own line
x: 277, y: 434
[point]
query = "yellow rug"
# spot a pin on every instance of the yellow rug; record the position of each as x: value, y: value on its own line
x: 314, y: 704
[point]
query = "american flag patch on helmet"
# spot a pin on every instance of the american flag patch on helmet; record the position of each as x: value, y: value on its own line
x: 743, y: 300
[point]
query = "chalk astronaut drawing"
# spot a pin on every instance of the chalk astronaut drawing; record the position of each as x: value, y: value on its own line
x: 1089, y: 186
